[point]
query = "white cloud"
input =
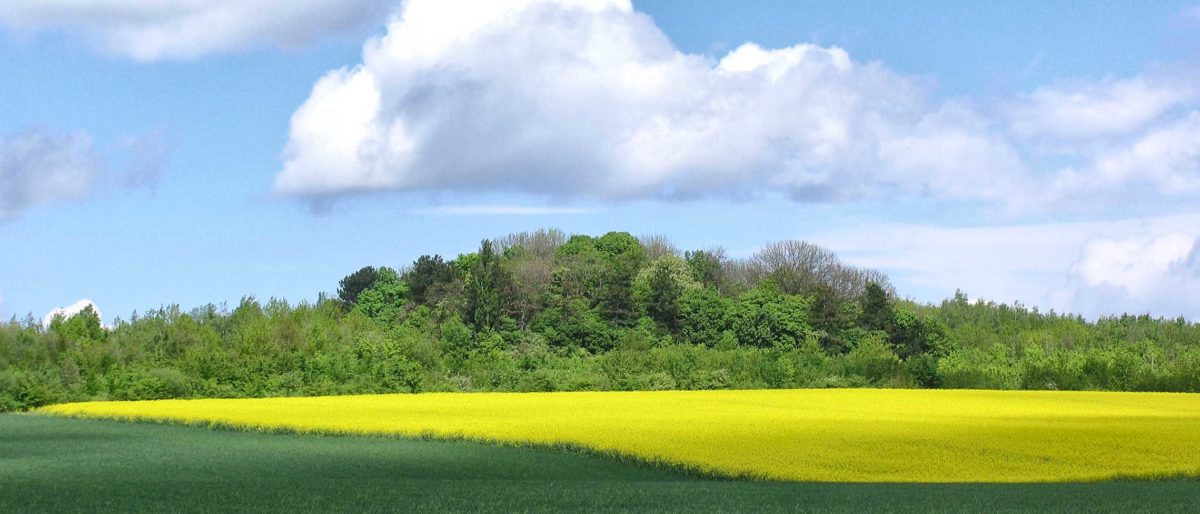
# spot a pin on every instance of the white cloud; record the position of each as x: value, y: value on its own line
x: 71, y: 310
x: 39, y: 168
x: 516, y: 210
x: 591, y: 99
x: 1161, y: 161
x: 173, y: 29
x: 1157, y: 274
x: 1050, y: 265
x: 1083, y: 109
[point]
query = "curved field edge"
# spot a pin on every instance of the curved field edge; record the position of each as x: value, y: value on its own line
x: 1167, y: 426
x: 58, y: 464
x: 682, y: 469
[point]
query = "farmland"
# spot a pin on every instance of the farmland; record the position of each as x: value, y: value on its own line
x: 796, y: 435
x: 57, y: 464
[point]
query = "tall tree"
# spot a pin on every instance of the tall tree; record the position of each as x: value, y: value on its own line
x: 623, y: 257
x: 355, y: 283
x: 876, y: 307
x: 427, y: 273
x: 660, y: 285
x: 485, y: 286
x: 706, y: 266
x: 384, y: 300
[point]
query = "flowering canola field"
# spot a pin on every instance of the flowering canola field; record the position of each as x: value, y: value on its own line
x: 838, y: 435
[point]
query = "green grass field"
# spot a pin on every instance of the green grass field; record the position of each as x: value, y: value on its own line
x: 50, y: 464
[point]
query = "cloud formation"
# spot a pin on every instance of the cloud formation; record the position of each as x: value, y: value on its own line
x: 71, y: 310
x: 506, y: 210
x: 155, y: 30
x: 591, y: 99
x: 1156, y: 274
x: 1093, y: 268
x: 1089, y: 109
x: 39, y: 168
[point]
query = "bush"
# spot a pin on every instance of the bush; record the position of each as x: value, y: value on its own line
x: 974, y: 369
x: 874, y: 360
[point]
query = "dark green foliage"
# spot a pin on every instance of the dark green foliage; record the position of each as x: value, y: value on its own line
x: 486, y: 284
x: 704, y: 316
x: 355, y: 283
x: 831, y: 317
x: 428, y: 276
x: 768, y: 318
x: 551, y: 313
x: 659, y: 287
x: 623, y: 257
x: 876, y: 308
x: 706, y: 266
x: 68, y: 465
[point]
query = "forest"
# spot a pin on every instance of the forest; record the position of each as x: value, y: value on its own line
x: 544, y: 311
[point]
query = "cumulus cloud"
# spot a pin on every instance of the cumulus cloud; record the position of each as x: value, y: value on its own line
x: 592, y: 99
x: 71, y: 310
x: 561, y: 98
x: 156, y: 29
x: 39, y: 167
x: 1144, y: 274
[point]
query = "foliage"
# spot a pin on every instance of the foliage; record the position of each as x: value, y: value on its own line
x: 385, y: 299
x: 427, y: 277
x: 355, y: 283
x: 658, y: 288
x: 543, y: 311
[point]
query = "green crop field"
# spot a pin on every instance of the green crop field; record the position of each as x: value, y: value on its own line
x: 52, y: 464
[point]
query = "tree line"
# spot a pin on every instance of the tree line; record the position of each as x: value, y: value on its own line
x: 541, y: 311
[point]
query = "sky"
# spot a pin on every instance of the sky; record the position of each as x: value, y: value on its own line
x: 156, y: 153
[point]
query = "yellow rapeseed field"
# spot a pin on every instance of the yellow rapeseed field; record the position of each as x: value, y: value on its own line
x: 809, y: 435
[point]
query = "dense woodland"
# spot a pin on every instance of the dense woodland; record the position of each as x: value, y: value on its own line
x: 542, y: 311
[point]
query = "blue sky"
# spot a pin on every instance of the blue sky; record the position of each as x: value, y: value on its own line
x: 150, y: 155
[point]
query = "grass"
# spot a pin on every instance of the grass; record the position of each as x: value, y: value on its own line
x: 53, y: 464
x: 801, y: 435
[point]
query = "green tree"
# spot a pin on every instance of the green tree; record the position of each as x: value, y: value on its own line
x: 83, y: 326
x: 355, y: 283
x: 703, y: 316
x: 659, y: 286
x: 385, y: 299
x: 766, y: 318
x: 707, y: 266
x: 623, y: 256
x: 485, y: 287
x: 876, y: 308
x: 427, y: 274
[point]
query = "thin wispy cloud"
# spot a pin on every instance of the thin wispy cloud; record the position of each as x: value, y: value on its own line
x: 40, y: 167
x: 506, y: 210
x: 152, y: 31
